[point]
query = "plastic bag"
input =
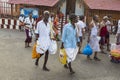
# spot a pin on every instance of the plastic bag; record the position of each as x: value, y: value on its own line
x: 87, y: 50
x: 63, y: 56
x: 53, y: 47
x: 99, y: 38
x: 34, y: 52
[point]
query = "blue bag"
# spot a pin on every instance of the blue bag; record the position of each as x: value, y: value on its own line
x: 87, y: 50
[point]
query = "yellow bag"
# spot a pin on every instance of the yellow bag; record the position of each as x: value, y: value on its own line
x: 63, y: 56
x: 34, y: 52
x: 115, y: 53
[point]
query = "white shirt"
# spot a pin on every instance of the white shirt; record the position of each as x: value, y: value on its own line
x: 94, y: 30
x: 44, y: 33
x: 29, y: 22
x: 108, y: 24
x: 51, y: 19
x: 118, y: 31
x: 81, y: 25
x: 21, y: 18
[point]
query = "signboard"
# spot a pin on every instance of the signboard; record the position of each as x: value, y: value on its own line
x: 27, y: 11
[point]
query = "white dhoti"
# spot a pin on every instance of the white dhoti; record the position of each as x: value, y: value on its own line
x: 71, y: 54
x: 94, y: 44
x: 42, y: 46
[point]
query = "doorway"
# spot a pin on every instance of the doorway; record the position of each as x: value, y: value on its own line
x: 70, y: 6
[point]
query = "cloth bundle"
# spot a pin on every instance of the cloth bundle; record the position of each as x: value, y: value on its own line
x: 115, y: 53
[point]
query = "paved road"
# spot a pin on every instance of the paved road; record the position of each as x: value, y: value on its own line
x: 16, y: 63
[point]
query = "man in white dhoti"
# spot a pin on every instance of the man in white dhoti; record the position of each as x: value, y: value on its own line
x: 69, y: 41
x: 92, y: 39
x: 43, y: 37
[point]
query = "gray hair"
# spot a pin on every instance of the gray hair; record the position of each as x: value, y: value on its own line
x: 46, y: 12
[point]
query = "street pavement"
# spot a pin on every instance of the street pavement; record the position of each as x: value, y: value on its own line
x: 16, y: 62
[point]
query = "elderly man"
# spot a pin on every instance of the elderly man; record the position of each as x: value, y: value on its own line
x: 104, y: 33
x: 92, y: 38
x: 43, y: 37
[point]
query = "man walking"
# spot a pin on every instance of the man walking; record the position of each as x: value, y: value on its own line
x: 43, y: 37
x: 69, y: 41
x: 81, y: 28
x: 29, y: 24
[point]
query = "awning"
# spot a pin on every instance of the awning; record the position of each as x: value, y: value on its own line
x: 35, y: 2
x: 103, y: 4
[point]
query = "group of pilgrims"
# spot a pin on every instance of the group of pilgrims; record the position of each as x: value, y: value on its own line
x: 72, y: 36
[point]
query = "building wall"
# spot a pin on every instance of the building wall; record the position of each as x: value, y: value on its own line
x: 63, y: 7
x: 41, y: 9
x: 79, y: 7
x: 5, y: 8
x: 89, y: 13
x: 101, y: 13
x: 79, y: 10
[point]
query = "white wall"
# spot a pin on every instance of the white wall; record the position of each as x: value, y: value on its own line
x: 63, y: 8
x: 79, y: 9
